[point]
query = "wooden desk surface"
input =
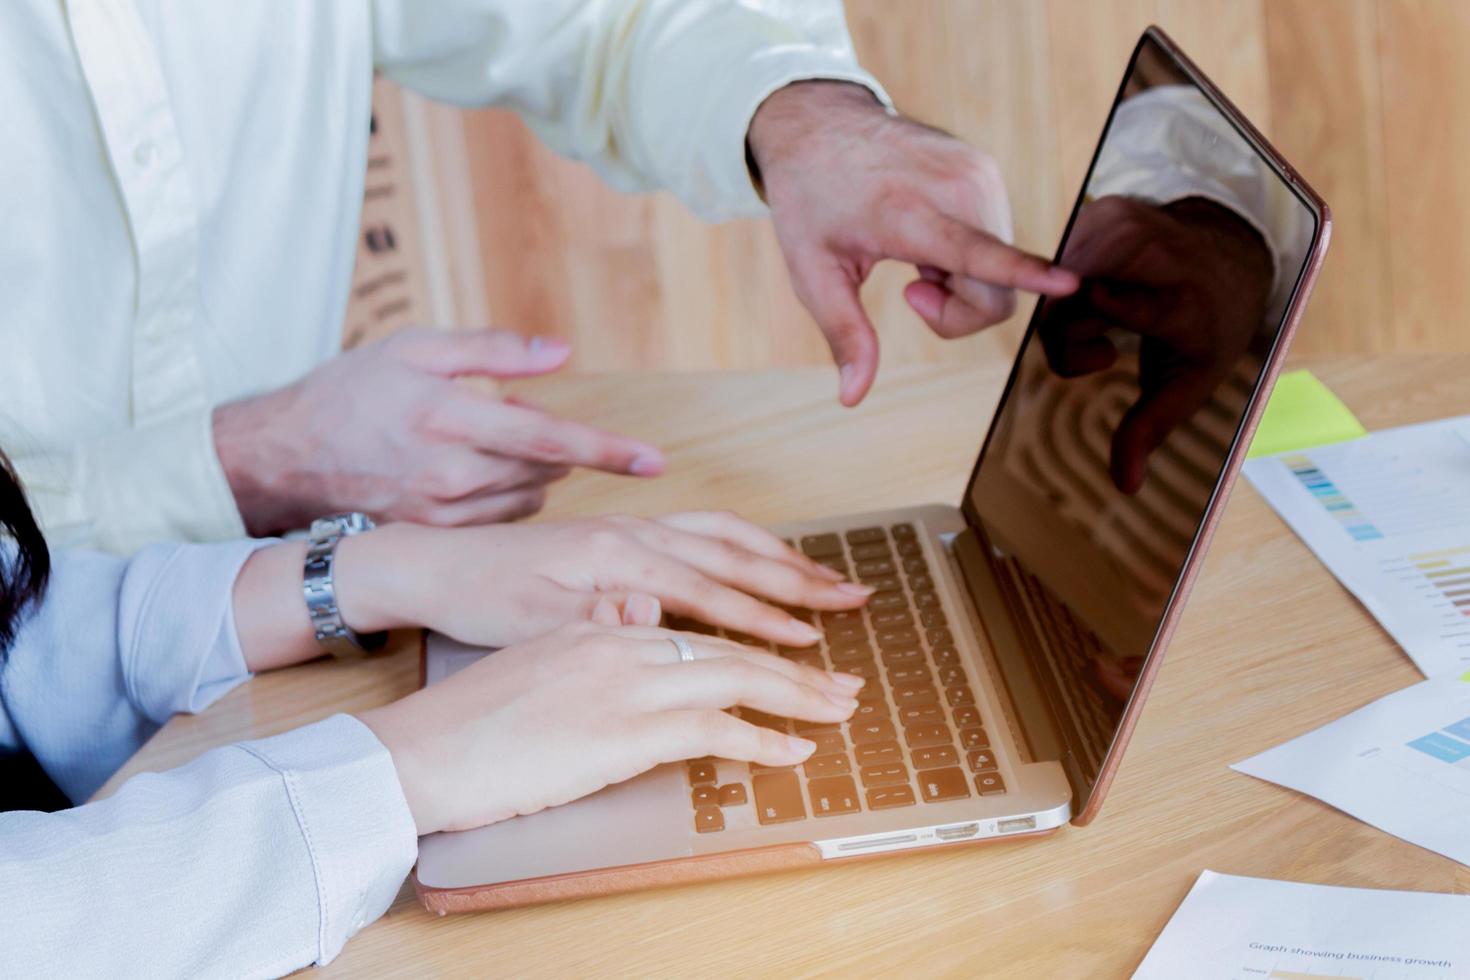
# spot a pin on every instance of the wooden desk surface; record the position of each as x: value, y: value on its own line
x: 1270, y: 647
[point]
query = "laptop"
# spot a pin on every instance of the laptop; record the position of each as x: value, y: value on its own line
x: 1013, y: 637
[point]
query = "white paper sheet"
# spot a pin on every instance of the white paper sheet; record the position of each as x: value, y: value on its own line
x: 1231, y: 928
x: 1401, y: 764
x: 1389, y: 515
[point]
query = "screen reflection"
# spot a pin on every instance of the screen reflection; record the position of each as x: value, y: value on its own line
x: 1127, y: 396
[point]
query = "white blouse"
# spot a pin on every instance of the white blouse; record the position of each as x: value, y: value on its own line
x: 253, y: 860
x: 181, y: 184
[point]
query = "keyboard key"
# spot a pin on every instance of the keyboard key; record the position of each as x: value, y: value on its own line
x: 873, y: 731
x: 807, y: 728
x: 762, y: 767
x: 833, y: 795
x: 982, y: 760
x: 871, y: 552
x: 887, y: 583
x: 967, y: 717
x: 866, y: 535
x: 939, y: 636
x: 887, y: 600
x: 874, y: 569
x: 886, y: 797
x: 974, y: 738
x: 894, y: 772
x: 921, y: 582
x: 701, y: 772
x: 921, y: 693
x: 915, y: 565
x: 850, y: 653
x: 762, y: 720
x: 708, y: 819
x: 828, y: 743
x: 837, y: 564
x: 845, y: 616
x: 837, y: 632
x: 944, y: 656
x: 827, y: 765
x: 808, y: 616
x: 890, y: 638
x: 959, y: 695
x: 909, y: 549
x: 935, y: 757
x: 777, y: 797
x: 938, y: 785
x: 874, y: 710
x: 732, y: 794
x: 901, y: 531
x: 878, y: 754
x: 989, y: 784
x: 893, y: 619
x: 909, y: 673
x: 821, y: 545
x: 902, y: 656
x: 933, y: 617
x: 808, y: 658
x: 921, y: 714
x: 951, y: 674
x: 922, y: 736
x: 926, y: 600
x: 866, y: 669
x: 705, y: 796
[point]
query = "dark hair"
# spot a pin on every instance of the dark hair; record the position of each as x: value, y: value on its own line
x: 24, y: 566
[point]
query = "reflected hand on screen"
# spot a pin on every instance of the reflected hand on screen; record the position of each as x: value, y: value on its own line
x: 1192, y: 279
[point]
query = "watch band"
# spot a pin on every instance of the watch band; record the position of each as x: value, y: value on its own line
x: 319, y: 586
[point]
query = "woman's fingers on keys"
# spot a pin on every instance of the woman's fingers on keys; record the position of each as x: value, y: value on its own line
x: 727, y: 682
x: 735, y: 565
x: 736, y: 529
x: 655, y: 646
x: 695, y: 733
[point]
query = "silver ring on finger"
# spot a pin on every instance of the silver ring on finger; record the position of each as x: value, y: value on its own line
x: 685, y: 648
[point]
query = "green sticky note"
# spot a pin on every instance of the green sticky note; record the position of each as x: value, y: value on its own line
x: 1303, y: 412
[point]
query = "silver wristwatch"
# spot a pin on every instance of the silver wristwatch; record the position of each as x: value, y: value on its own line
x: 320, y: 588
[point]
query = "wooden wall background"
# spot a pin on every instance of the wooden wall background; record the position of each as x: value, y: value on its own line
x: 1371, y: 98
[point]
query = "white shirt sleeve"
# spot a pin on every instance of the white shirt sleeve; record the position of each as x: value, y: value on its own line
x: 652, y: 93
x: 161, y: 481
x: 253, y: 860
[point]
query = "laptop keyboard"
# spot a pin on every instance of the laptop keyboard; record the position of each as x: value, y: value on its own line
x: 917, y: 736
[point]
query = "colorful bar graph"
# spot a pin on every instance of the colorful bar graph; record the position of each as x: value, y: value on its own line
x: 1319, y: 485
x: 1442, y: 747
x: 1448, y: 570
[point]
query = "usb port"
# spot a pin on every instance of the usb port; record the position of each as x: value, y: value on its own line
x: 1014, y: 824
x: 958, y: 832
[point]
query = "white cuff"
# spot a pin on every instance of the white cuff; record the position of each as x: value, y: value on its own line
x: 152, y: 483
x: 179, y: 648
x: 352, y: 814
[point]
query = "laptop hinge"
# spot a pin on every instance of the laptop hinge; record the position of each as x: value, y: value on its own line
x: 1039, y: 727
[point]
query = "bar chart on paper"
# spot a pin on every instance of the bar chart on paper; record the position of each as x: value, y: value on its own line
x: 1389, y: 515
x: 1401, y: 764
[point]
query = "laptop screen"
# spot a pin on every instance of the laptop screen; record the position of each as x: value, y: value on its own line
x: 1127, y: 398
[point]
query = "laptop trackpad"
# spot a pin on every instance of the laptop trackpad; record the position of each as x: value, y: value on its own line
x: 648, y: 818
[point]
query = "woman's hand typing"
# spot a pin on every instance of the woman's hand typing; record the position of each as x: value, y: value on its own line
x: 498, y: 585
x: 549, y: 721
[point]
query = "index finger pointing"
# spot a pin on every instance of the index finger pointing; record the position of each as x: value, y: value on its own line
x: 937, y: 240
x: 526, y: 433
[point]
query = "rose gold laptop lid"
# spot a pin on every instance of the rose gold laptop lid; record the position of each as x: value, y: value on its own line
x: 1131, y: 405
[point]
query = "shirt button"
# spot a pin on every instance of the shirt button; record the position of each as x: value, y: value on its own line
x: 144, y: 153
